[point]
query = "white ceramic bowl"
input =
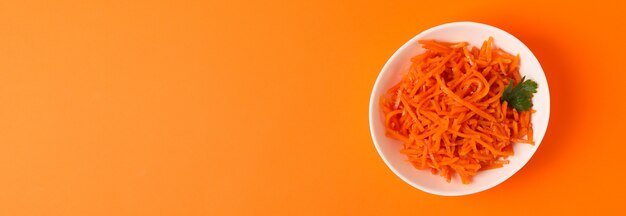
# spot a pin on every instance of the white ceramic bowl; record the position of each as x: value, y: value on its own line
x: 474, y: 34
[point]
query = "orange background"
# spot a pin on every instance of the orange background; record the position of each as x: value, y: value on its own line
x: 260, y: 107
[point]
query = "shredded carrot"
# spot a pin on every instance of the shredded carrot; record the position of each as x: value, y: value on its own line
x: 447, y: 109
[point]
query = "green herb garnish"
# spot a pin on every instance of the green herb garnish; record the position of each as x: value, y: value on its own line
x: 519, y: 97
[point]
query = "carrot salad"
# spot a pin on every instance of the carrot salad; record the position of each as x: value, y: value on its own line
x: 449, y: 112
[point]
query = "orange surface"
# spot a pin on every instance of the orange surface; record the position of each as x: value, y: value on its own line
x: 260, y: 107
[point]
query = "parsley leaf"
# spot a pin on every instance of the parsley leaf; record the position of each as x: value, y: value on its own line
x: 518, y: 97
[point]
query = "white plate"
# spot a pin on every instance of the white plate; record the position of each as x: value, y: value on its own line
x: 474, y: 34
